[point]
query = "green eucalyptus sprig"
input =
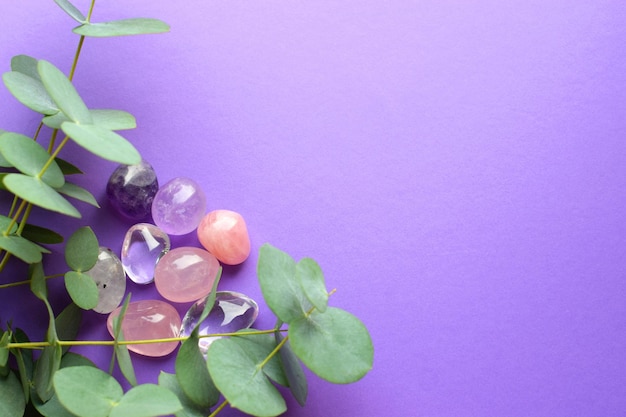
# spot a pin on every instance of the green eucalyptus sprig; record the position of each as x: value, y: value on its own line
x: 242, y: 369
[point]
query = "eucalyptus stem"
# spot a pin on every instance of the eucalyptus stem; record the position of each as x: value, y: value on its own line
x: 219, y: 408
x: 53, y: 156
x: 27, y: 281
x: 273, y: 352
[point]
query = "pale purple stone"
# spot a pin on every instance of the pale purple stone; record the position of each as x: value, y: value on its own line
x: 231, y: 312
x: 110, y: 279
x: 143, y: 246
x: 131, y: 189
x: 179, y: 206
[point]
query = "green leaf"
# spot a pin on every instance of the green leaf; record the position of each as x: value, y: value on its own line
x: 282, y: 291
x: 209, y: 303
x: 30, y: 158
x: 67, y: 168
x: 87, y: 391
x: 102, y: 142
x: 82, y: 288
x: 108, y: 119
x: 63, y: 93
x: 21, y: 248
x: 71, y: 10
x: 26, y: 65
x: 40, y: 234
x: 3, y: 162
x: 147, y: 400
x: 4, y: 225
x: 193, y: 375
x: 38, y: 284
x: 45, y: 369
x: 124, y: 362
x: 335, y: 345
x: 39, y: 193
x: 190, y: 409
x: 293, y: 371
x: 79, y: 193
x: 311, y: 280
x: 12, y: 402
x: 82, y: 250
x: 67, y: 324
x: 30, y: 92
x: 24, y: 360
x: 236, y: 376
x: 259, y: 347
x: 125, y: 27
x: 4, y: 353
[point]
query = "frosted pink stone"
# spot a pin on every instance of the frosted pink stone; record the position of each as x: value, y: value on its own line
x: 148, y: 319
x: 225, y: 235
x: 185, y: 274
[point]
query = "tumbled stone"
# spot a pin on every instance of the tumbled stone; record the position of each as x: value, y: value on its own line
x: 178, y: 206
x: 131, y: 190
x: 143, y: 246
x: 148, y: 320
x: 225, y: 235
x: 231, y: 312
x: 110, y: 279
x: 185, y: 274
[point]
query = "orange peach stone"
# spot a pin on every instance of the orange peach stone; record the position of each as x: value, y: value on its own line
x: 225, y: 235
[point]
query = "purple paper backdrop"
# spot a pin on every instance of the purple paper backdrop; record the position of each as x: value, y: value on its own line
x: 457, y: 168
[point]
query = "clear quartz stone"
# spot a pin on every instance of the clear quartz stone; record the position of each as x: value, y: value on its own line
x: 231, y: 312
x: 110, y: 279
x: 144, y: 244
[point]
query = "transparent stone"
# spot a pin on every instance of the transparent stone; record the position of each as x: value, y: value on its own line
x: 178, y: 206
x: 231, y: 312
x: 131, y: 189
x: 148, y: 320
x: 144, y: 244
x: 110, y: 279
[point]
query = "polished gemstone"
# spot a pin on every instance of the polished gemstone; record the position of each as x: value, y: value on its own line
x: 178, y: 206
x: 148, y: 320
x: 225, y: 235
x: 143, y: 246
x: 131, y: 189
x: 231, y: 312
x: 110, y: 279
x: 185, y: 274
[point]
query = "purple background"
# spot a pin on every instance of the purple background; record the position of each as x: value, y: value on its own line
x: 457, y: 168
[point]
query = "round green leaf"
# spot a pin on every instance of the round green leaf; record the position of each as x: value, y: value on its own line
x: 102, y: 142
x: 29, y: 157
x: 147, y: 400
x: 21, y: 248
x: 190, y: 409
x: 30, y: 92
x: 87, y: 391
x: 82, y: 250
x: 63, y: 92
x: 193, y: 375
x: 335, y: 345
x: 12, y: 402
x: 240, y: 381
x: 39, y: 193
x: 124, y: 27
x: 311, y: 279
x: 259, y: 347
x: 82, y: 288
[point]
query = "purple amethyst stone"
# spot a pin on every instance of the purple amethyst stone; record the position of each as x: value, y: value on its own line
x: 131, y: 189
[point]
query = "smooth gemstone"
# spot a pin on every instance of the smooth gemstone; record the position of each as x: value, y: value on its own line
x: 131, y: 190
x: 231, y: 312
x: 179, y: 206
x: 110, y: 279
x: 143, y: 246
x: 185, y: 274
x: 148, y: 320
x: 225, y: 235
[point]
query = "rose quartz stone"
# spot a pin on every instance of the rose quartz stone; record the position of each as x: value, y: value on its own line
x: 225, y: 235
x: 185, y: 274
x: 145, y: 320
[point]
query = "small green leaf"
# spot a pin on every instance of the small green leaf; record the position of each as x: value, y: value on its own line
x: 147, y: 400
x: 190, y: 409
x: 335, y: 345
x: 209, y: 303
x: 81, y: 250
x: 3, y: 162
x: 12, y: 402
x: 38, y: 284
x: 67, y: 168
x: 71, y: 10
x: 108, y: 119
x: 30, y: 92
x: 87, y: 391
x: 39, y: 193
x: 67, y: 323
x: 79, y: 193
x: 282, y: 291
x: 41, y: 234
x: 21, y: 248
x: 4, y: 353
x: 236, y: 376
x: 24, y: 360
x: 293, y: 371
x: 45, y: 368
x: 30, y: 158
x: 259, y: 347
x: 193, y: 375
x: 82, y: 288
x: 4, y: 225
x: 26, y: 65
x: 102, y: 142
x: 63, y: 93
x: 125, y: 27
x: 311, y: 279
x: 124, y: 362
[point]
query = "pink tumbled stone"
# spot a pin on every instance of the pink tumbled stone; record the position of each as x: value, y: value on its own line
x: 185, y: 274
x: 225, y: 235
x: 148, y: 319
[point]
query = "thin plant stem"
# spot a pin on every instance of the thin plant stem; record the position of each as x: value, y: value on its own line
x: 219, y: 408
x: 273, y: 352
x: 27, y: 282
